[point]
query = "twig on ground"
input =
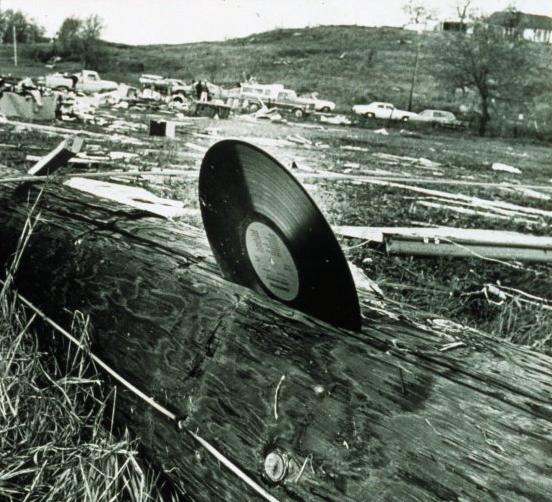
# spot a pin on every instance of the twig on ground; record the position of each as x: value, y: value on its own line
x: 298, y: 477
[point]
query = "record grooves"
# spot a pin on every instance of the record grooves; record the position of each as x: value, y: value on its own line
x: 267, y: 234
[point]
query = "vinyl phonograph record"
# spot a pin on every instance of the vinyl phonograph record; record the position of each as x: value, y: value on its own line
x: 267, y: 234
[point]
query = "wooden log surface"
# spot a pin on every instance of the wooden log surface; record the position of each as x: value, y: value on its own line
x: 383, y: 414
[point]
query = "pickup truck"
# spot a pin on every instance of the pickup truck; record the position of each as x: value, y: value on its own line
x: 86, y: 81
x: 320, y: 105
x: 383, y: 111
x: 275, y: 95
x: 288, y: 99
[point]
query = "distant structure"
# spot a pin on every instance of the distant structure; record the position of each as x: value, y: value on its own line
x: 427, y: 25
x: 452, y: 25
x: 443, y: 25
x: 531, y: 26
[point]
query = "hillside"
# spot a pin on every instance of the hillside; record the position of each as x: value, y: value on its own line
x: 347, y: 64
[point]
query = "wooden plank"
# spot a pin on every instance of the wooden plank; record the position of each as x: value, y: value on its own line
x: 58, y: 157
x: 462, y: 235
x: 136, y: 197
x: 474, y: 201
x: 179, y: 173
x: 495, y: 215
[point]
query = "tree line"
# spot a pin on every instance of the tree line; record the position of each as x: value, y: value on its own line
x: 26, y: 28
x: 78, y: 39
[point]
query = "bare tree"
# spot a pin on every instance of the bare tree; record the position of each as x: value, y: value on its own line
x: 464, y: 11
x: 486, y: 60
x: 418, y: 12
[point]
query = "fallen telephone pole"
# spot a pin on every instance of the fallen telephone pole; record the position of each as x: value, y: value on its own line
x: 400, y: 411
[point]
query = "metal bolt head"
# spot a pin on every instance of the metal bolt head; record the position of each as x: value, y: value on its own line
x: 276, y: 466
x: 319, y: 390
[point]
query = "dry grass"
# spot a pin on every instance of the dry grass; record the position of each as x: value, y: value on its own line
x: 54, y: 441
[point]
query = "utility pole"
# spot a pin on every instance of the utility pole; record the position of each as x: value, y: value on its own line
x: 415, y: 72
x: 14, y: 46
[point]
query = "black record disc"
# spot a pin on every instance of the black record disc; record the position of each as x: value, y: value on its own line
x: 267, y: 234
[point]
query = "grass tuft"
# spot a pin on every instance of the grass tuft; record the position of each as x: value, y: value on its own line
x: 54, y: 441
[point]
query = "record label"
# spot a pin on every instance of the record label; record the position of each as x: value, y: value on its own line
x: 268, y: 235
x: 272, y: 261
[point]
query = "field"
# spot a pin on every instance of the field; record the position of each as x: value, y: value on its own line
x: 456, y: 288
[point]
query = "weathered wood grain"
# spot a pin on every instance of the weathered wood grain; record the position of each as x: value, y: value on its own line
x: 377, y: 415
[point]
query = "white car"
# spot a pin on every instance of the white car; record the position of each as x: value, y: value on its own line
x: 439, y: 118
x: 383, y: 111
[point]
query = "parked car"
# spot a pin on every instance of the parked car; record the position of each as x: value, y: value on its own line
x: 439, y: 118
x: 86, y: 81
x: 275, y: 95
x: 383, y: 111
x: 320, y: 105
x: 148, y: 79
x: 165, y: 85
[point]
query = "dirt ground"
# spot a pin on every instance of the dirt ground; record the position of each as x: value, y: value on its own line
x: 510, y: 299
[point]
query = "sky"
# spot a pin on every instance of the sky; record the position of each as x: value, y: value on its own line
x: 179, y: 21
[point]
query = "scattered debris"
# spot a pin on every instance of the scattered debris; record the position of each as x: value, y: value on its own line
x: 136, y: 197
x: 382, y: 131
x: 452, y: 346
x: 410, y: 134
x: 405, y: 246
x: 27, y: 107
x: 354, y: 148
x: 504, y: 293
x: 449, y: 241
x: 361, y: 280
x: 472, y: 212
x: 335, y: 120
x: 438, y: 234
x: 533, y: 194
x: 271, y: 114
x: 300, y: 140
x: 498, y: 166
x: 428, y: 163
x: 209, y: 109
x: 351, y: 165
x: 58, y: 157
x: 418, y: 163
x: 163, y: 128
x: 197, y: 148
x: 302, y: 165
x: 495, y: 205
x: 125, y: 156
